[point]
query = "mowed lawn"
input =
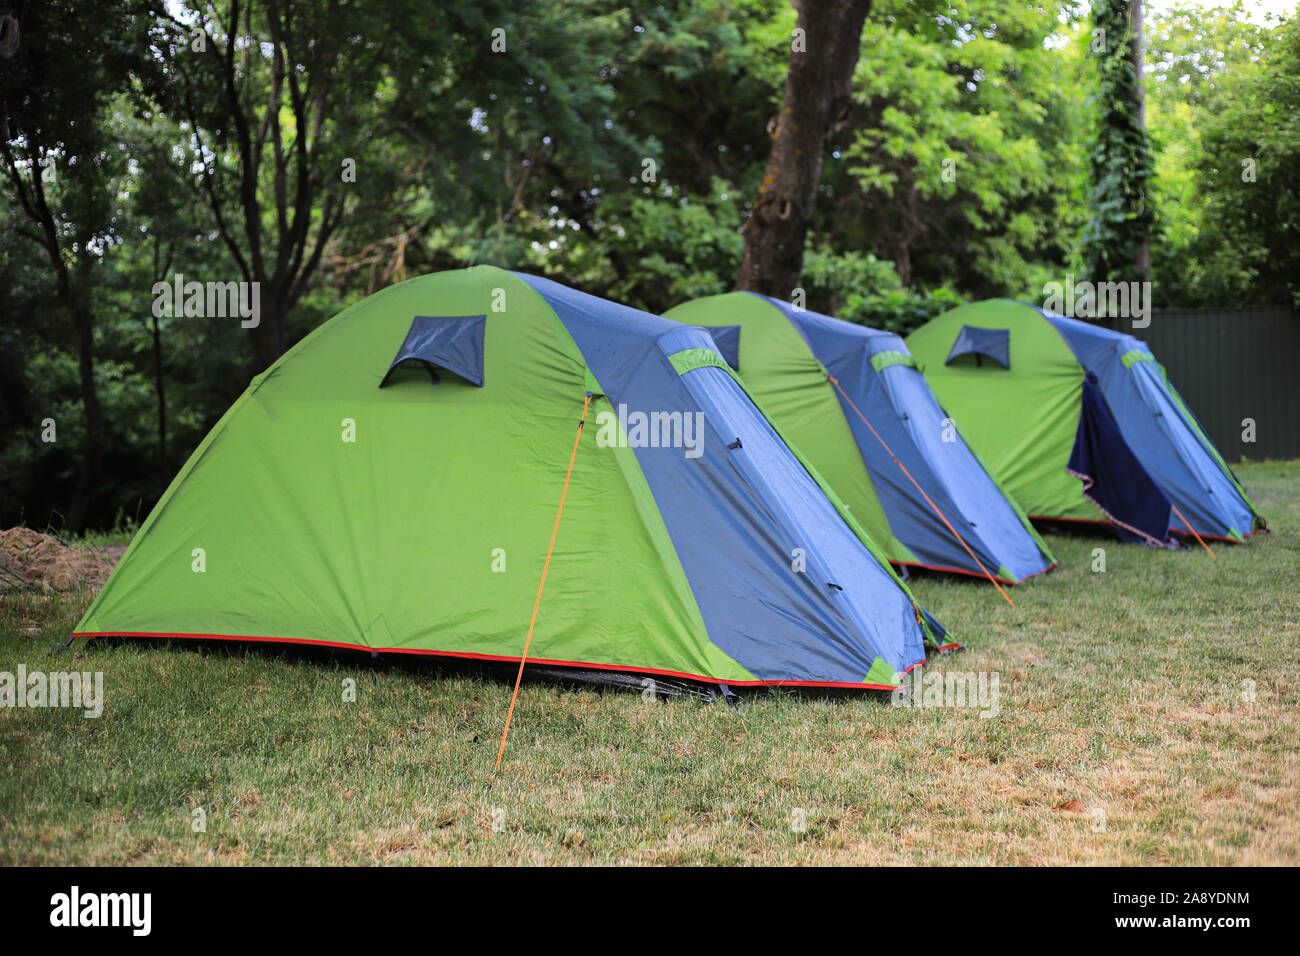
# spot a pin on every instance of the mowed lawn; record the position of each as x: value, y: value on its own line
x: 1125, y: 734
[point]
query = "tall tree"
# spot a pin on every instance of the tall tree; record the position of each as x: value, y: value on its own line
x: 1248, y: 178
x: 962, y: 165
x: 816, y: 103
x: 1116, y: 240
x: 281, y: 99
x: 1203, y: 65
x: 60, y: 169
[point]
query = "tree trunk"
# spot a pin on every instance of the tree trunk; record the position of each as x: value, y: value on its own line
x: 158, y: 385
x: 818, y: 91
x: 269, y: 338
x: 92, y: 448
x: 160, y: 270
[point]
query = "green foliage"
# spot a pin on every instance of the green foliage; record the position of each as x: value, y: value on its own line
x: 663, y: 247
x: 1217, y: 94
x: 958, y: 169
x: 1121, y: 165
x: 1248, y: 171
x: 860, y: 288
x: 535, y: 158
x: 65, y: 178
x: 899, y: 310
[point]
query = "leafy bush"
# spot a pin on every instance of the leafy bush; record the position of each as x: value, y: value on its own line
x: 860, y: 288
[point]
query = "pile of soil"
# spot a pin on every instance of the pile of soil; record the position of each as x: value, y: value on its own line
x: 29, y: 559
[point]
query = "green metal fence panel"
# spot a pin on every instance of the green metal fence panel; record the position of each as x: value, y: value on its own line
x: 1234, y: 365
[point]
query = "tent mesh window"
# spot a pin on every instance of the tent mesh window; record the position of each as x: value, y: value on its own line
x: 994, y: 344
x: 451, y: 343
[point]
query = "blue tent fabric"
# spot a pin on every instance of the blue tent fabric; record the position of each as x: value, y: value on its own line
x: 904, y: 412
x: 940, y: 632
x: 738, y: 513
x: 1204, y: 435
x: 1170, y: 447
x: 453, y: 343
x: 1113, y: 478
x: 990, y: 343
x: 727, y: 339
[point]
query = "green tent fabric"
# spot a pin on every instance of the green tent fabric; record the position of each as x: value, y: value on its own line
x: 1021, y: 420
x: 1036, y: 393
x: 853, y: 400
x: 391, y: 484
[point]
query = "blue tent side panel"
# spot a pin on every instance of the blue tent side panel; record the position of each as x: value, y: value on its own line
x: 953, y: 467
x: 1154, y: 427
x: 1210, y: 491
x: 902, y: 409
x: 737, y: 513
x: 1113, y: 478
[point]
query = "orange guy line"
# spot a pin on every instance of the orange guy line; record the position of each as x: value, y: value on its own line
x: 1192, y: 530
x: 541, y: 584
x: 836, y: 382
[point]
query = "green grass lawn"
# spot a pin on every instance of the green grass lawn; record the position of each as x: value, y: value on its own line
x: 1124, y: 736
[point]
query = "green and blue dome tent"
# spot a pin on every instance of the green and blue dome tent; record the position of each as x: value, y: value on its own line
x: 1073, y: 418
x: 854, y: 401
x: 391, y: 483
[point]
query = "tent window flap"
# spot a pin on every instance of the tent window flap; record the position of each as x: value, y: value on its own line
x: 994, y: 344
x: 453, y: 343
